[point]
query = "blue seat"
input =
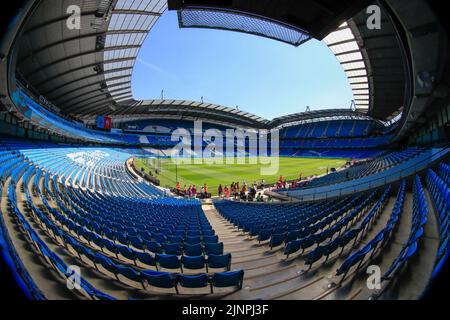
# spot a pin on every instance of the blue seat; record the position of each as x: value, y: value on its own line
x: 264, y: 235
x: 292, y: 247
x: 193, y: 250
x: 193, y: 263
x: 152, y: 229
x: 194, y: 233
x: 136, y: 242
x: 279, y: 230
x: 211, y: 239
x: 314, y: 256
x: 219, y: 261
x: 129, y: 274
x: 146, y: 258
x: 83, y: 251
x: 180, y: 233
x: 110, y: 246
x: 277, y: 240
x: 106, y: 263
x: 146, y: 235
x: 208, y: 233
x: 292, y: 235
x: 175, y: 239
x: 166, y: 231
x: 153, y: 246
x: 98, y: 241
x: 126, y: 252
x: 109, y: 233
x: 228, y: 279
x: 160, y: 238
x: 309, y: 241
x: 331, y: 247
x: 122, y: 238
x: 173, y: 248
x: 192, y: 240
x: 168, y: 261
x: 255, y: 230
x: 157, y: 279
x: 214, y: 248
x: 355, y: 258
x: 193, y: 281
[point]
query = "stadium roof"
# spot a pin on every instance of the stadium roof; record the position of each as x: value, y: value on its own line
x: 189, y: 109
x: 319, y: 114
x: 87, y: 70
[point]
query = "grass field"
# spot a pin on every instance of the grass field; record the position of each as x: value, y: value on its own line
x: 225, y: 174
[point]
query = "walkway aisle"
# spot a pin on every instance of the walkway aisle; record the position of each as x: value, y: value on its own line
x: 267, y: 274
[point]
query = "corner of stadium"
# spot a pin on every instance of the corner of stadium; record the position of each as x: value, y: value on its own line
x: 104, y: 197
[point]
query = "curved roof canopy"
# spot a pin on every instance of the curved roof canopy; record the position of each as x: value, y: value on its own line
x: 320, y: 114
x: 87, y: 71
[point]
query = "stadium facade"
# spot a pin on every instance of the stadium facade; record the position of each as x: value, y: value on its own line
x: 71, y: 198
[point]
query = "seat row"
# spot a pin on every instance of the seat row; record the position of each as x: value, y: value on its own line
x: 439, y: 188
x: 357, y: 234
x: 368, y: 252
x: 122, y: 269
x: 419, y: 219
x: 342, y: 226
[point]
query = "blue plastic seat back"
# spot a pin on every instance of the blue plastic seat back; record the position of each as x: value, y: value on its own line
x: 106, y: 263
x: 109, y: 245
x: 146, y: 258
x: 314, y: 255
x: 168, y: 261
x: 214, y: 248
x: 293, y: 247
x: 211, y: 239
x: 292, y: 235
x: 173, y: 248
x: 175, y: 239
x: 352, y: 260
x: 219, y: 261
x: 193, y: 281
x: 193, y: 263
x: 160, y: 238
x: 129, y: 273
x: 277, y: 239
x: 228, y: 279
x: 153, y: 246
x: 208, y: 233
x: 193, y: 250
x: 157, y: 279
x: 192, y: 240
x: 194, y: 233
x: 126, y: 252
x: 264, y: 234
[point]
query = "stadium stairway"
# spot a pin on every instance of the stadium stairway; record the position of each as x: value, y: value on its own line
x: 269, y: 275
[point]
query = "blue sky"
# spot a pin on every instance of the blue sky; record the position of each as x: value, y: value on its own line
x: 260, y: 76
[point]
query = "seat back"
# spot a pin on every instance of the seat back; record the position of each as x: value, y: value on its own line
x: 228, y: 279
x: 219, y: 261
x: 214, y: 248
x: 193, y: 263
x: 193, y: 281
x: 193, y: 250
x: 159, y: 279
x: 168, y: 261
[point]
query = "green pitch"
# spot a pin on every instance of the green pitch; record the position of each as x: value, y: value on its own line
x: 225, y: 174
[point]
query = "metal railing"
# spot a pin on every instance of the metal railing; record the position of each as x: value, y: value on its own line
x: 374, y: 181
